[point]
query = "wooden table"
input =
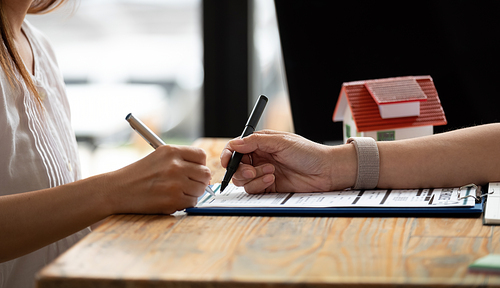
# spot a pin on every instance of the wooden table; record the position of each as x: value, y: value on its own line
x: 213, y: 251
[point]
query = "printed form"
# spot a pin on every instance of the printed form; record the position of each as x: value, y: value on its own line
x: 443, y: 197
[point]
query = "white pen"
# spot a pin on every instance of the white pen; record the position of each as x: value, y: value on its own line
x: 151, y: 137
x: 144, y: 131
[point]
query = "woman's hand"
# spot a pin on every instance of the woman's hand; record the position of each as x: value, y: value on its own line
x: 169, y: 179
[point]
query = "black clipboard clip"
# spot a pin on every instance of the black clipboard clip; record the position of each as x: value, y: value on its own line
x: 478, y: 195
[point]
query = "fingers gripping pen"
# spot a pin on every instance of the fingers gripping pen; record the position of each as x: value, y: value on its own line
x: 249, y: 129
x: 150, y: 137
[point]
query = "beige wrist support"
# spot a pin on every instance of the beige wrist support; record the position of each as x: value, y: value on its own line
x: 368, y: 162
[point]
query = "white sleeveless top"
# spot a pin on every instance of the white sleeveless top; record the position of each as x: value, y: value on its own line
x: 37, y: 150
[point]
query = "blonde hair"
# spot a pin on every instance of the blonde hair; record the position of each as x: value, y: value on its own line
x: 10, y: 61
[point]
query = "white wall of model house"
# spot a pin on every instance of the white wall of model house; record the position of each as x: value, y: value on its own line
x: 350, y: 130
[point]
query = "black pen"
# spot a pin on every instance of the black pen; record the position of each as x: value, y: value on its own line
x: 233, y: 164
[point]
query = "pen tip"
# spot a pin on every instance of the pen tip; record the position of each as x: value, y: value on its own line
x: 209, y: 190
x: 223, y: 186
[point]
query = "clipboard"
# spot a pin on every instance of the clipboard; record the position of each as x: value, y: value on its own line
x: 474, y: 211
x: 470, y: 211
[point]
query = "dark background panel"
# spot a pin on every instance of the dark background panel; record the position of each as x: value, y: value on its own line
x: 226, y: 24
x: 326, y: 43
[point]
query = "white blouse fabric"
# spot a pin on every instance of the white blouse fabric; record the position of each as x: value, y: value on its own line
x: 37, y: 150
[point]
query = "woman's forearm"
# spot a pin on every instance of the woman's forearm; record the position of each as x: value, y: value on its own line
x: 451, y: 159
x: 169, y: 179
x: 35, y: 219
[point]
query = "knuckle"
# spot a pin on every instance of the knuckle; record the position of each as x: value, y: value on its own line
x: 202, y: 153
x: 265, y: 132
x: 207, y: 172
x: 166, y: 150
x: 173, y: 168
x: 174, y: 149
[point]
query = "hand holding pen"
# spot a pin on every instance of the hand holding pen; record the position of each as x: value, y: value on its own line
x: 286, y: 162
x: 151, y: 137
x: 235, y: 160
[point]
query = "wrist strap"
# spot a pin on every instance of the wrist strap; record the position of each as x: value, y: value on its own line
x: 368, y: 162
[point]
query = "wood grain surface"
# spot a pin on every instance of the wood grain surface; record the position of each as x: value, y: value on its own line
x: 221, y: 251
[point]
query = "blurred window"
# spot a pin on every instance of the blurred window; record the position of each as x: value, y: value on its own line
x: 128, y: 56
x: 269, y: 73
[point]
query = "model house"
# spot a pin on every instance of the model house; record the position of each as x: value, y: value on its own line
x: 389, y: 109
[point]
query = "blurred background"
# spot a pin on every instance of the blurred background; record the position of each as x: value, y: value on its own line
x: 193, y: 68
x: 146, y: 57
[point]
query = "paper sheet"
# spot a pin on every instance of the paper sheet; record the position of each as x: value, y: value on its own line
x: 237, y: 197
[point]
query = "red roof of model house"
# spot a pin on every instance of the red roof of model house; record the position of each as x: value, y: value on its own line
x: 410, y: 101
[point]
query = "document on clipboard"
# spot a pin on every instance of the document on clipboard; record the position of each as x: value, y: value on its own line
x: 235, y: 201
